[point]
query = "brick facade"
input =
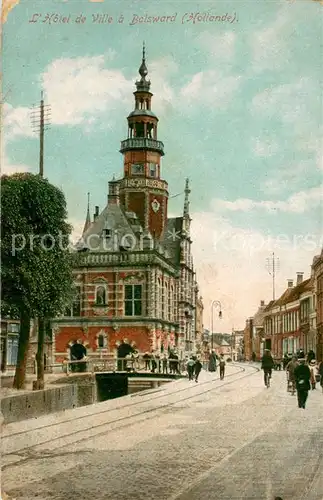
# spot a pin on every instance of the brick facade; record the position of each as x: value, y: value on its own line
x: 146, y: 292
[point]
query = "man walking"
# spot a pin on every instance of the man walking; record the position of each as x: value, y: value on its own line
x: 197, y: 369
x: 267, y: 364
x: 290, y: 368
x: 190, y: 368
x: 302, y: 377
x: 222, y: 366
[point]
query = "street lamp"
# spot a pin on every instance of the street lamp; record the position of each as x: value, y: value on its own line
x: 215, y: 303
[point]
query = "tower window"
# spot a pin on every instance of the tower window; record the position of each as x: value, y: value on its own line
x: 75, y: 308
x: 137, y: 169
x: 133, y: 300
x: 100, y: 295
x: 153, y: 169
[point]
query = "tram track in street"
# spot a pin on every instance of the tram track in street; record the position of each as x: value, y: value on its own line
x: 80, y: 433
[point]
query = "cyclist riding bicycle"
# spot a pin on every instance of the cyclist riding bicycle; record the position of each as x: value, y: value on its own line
x: 267, y: 364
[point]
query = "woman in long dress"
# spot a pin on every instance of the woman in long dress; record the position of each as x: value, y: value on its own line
x: 212, y: 362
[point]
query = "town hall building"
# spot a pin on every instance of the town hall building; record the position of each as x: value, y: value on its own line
x: 134, y: 275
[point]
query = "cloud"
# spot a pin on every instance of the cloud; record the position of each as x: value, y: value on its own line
x: 300, y: 202
x: 284, y: 175
x: 290, y: 102
x: 218, y: 47
x: 17, y: 122
x: 9, y: 168
x: 211, y: 88
x: 159, y: 72
x: 81, y: 88
x: 263, y: 148
x: 269, y: 46
x: 231, y: 265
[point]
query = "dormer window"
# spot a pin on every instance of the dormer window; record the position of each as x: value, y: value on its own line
x: 107, y: 233
x: 137, y: 169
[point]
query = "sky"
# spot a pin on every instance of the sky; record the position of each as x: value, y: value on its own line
x: 240, y: 109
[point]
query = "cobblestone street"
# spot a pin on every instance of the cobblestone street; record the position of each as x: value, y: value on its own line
x: 236, y: 440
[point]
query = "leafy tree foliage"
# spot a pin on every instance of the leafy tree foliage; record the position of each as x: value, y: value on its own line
x: 35, y: 254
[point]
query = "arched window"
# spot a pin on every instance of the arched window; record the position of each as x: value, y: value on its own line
x: 100, y: 295
x: 166, y: 301
x: 102, y: 340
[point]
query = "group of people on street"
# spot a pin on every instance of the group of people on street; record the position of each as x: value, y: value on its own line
x: 303, y: 373
x: 162, y: 363
x: 194, y: 367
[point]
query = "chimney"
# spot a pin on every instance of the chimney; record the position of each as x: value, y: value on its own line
x: 96, y: 213
x: 113, y: 196
x: 262, y: 303
x: 290, y: 283
x: 299, y: 278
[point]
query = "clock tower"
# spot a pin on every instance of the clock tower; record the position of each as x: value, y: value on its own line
x: 142, y: 190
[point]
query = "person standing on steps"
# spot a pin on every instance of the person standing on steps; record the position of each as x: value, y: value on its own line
x: 302, y: 378
x: 222, y: 366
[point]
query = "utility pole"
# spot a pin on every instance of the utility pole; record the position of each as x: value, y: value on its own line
x: 40, y: 118
x: 272, y: 266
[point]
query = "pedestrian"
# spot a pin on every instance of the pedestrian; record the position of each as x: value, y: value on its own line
x: 290, y: 369
x: 146, y: 358
x: 197, y: 369
x: 165, y: 364
x: 267, y: 365
x: 320, y: 373
x: 153, y: 363
x: 310, y: 355
x: 190, y: 368
x: 222, y: 366
x: 313, y: 370
x: 176, y: 363
x: 212, y: 361
x: 302, y: 378
x: 253, y: 357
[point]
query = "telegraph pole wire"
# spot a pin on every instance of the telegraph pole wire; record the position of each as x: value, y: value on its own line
x: 40, y: 118
x: 272, y: 266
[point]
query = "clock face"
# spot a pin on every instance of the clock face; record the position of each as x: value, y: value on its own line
x: 155, y: 206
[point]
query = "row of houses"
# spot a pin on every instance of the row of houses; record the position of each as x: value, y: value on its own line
x: 291, y: 322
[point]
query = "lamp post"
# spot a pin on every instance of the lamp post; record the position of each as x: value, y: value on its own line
x: 215, y: 303
x: 232, y: 341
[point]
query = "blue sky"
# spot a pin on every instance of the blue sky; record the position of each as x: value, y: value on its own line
x: 240, y: 111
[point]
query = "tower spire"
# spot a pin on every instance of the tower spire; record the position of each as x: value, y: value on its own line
x: 143, y: 84
x: 88, y: 217
x: 186, y: 201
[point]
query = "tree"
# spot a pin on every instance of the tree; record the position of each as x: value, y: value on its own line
x: 36, y: 259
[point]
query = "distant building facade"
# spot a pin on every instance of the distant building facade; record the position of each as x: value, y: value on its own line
x: 317, y: 270
x: 287, y: 319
